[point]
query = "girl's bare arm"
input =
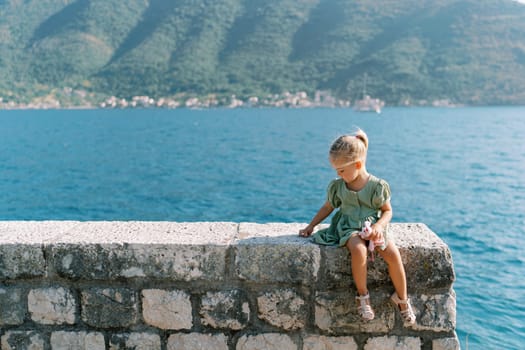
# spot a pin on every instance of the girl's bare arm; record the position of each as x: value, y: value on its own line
x: 379, y: 227
x: 322, y: 214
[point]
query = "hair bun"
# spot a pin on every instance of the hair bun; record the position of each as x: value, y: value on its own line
x: 361, y: 135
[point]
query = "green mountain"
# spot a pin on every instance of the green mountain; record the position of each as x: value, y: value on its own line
x: 466, y: 51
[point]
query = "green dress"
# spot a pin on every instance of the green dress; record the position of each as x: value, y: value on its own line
x: 354, y: 209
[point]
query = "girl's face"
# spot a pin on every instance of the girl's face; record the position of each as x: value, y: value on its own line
x: 348, y: 171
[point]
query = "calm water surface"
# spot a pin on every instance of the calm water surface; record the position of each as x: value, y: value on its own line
x: 460, y: 171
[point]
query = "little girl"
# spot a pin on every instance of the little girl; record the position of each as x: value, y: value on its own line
x: 360, y: 197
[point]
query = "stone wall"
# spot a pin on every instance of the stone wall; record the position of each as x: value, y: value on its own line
x: 168, y: 285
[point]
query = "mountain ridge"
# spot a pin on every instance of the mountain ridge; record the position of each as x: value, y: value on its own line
x: 465, y: 51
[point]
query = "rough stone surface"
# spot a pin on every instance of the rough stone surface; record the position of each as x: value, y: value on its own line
x: 227, y: 309
x: 267, y: 341
x: 393, y: 343
x: 179, y: 251
x: 197, y: 341
x: 135, y: 341
x: 19, y: 261
x: 320, y: 342
x: 52, y: 306
x: 425, y: 255
x: 337, y: 312
x: 435, y: 312
x: 21, y: 253
x: 77, y: 340
x: 12, y: 308
x: 446, y: 344
x: 33, y: 232
x: 18, y: 340
x: 338, y: 271
x: 107, y: 308
x: 275, y: 253
x: 142, y: 232
x: 167, y: 309
x: 282, y: 308
x: 108, y: 261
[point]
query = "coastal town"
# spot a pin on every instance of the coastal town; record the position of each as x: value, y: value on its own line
x: 81, y: 99
x: 287, y: 99
x: 69, y: 98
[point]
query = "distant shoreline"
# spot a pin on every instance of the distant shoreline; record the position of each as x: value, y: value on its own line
x: 321, y: 99
x: 298, y: 100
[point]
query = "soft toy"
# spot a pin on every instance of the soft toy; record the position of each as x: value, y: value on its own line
x: 365, y: 233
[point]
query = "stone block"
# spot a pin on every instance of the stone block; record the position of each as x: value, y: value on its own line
x: 12, y: 307
x: 167, y: 309
x: 175, y: 251
x: 225, y: 309
x: 269, y: 253
x: 446, y: 344
x: 62, y: 340
x: 109, y: 307
x: 185, y: 251
x: 393, y: 343
x: 435, y: 312
x: 21, y: 261
x: 22, y: 340
x: 135, y: 341
x: 282, y: 308
x: 54, y: 305
x: 267, y: 341
x: 336, y: 313
x: 197, y: 341
x: 320, y: 342
x: 427, y: 259
x: 110, y: 261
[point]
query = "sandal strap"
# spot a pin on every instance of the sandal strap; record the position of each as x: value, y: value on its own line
x: 364, y: 310
x: 395, y: 298
x: 407, y: 314
x: 362, y: 298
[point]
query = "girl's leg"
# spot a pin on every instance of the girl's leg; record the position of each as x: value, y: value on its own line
x: 357, y: 249
x: 397, y: 274
x: 396, y: 270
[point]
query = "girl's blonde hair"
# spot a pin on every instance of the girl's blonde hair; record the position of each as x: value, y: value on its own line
x: 350, y: 147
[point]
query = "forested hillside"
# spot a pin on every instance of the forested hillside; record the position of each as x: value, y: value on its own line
x: 467, y: 51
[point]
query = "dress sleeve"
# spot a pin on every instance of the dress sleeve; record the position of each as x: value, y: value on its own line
x: 381, y: 194
x: 331, y: 195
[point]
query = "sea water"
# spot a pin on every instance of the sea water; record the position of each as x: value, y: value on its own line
x: 460, y: 171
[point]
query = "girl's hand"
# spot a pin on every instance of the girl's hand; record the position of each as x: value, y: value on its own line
x: 377, y: 232
x: 307, y: 231
x: 322, y: 214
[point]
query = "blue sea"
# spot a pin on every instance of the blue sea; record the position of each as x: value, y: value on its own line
x: 460, y: 171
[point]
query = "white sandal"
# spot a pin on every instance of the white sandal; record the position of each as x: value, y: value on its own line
x: 363, y: 309
x: 407, y: 315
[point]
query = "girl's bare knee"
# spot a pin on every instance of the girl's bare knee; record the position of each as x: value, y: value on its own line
x: 358, y: 252
x: 356, y: 245
x: 392, y: 258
